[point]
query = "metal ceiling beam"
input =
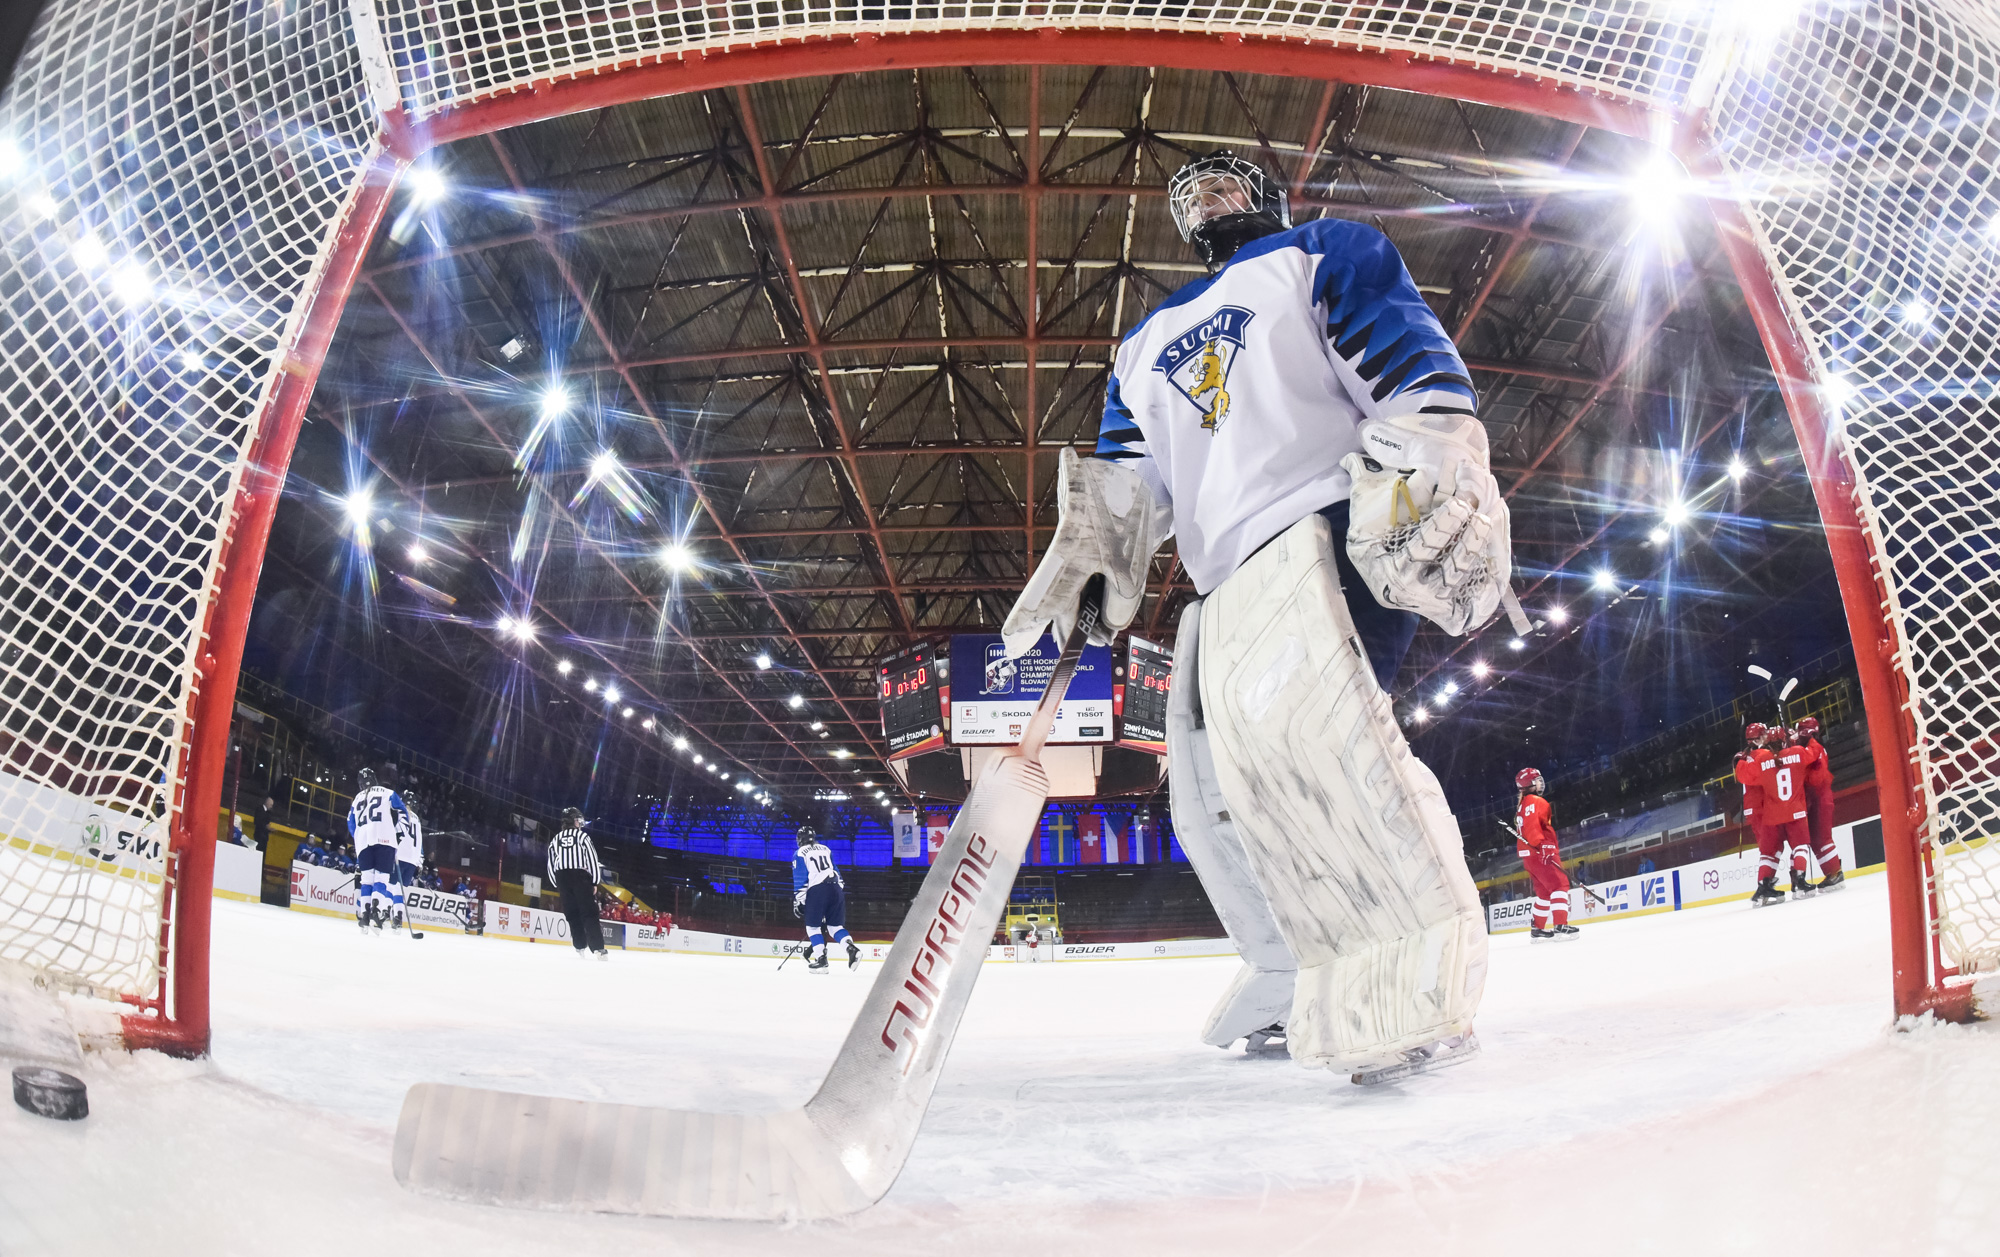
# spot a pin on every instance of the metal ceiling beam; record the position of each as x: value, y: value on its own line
x: 639, y: 397
x: 1034, y: 188
x: 810, y: 324
x: 1514, y: 243
x: 507, y: 578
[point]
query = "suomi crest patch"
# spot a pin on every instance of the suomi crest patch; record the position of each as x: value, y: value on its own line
x: 1198, y: 362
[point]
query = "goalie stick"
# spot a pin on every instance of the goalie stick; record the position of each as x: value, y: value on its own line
x: 842, y: 1150
x: 1573, y: 885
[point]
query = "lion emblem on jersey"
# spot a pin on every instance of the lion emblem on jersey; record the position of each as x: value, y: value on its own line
x: 1198, y: 361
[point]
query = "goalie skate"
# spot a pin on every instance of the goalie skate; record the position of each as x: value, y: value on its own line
x: 1443, y: 1054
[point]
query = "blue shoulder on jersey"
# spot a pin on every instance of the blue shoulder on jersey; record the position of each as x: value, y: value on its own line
x: 798, y: 873
x: 1374, y: 313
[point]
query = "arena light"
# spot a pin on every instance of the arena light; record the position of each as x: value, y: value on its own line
x: 697, y: 757
x: 427, y: 186
x: 611, y: 693
x: 1421, y: 714
x: 554, y: 402
x: 1677, y: 514
x: 520, y: 628
x: 627, y: 713
x: 1480, y: 668
x: 418, y: 554
x: 743, y: 787
x: 677, y: 557
x: 1604, y: 578
x: 1558, y: 615
x: 646, y: 724
x: 796, y: 701
x: 841, y: 752
x: 1517, y: 644
x: 132, y: 284
x: 867, y: 785
x: 563, y: 666
x: 1736, y: 469
x: 817, y: 725
x: 1656, y: 188
x: 680, y: 744
x: 714, y: 767
x: 590, y: 686
x: 1659, y: 536
x: 1450, y: 688
x: 89, y: 251
x: 358, y: 506
x: 763, y: 661
x: 42, y: 206
x: 1916, y: 314
x: 605, y: 465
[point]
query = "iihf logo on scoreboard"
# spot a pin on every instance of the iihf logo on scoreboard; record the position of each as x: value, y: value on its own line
x: 1198, y: 361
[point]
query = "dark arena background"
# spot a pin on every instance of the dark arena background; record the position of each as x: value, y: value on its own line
x: 655, y: 408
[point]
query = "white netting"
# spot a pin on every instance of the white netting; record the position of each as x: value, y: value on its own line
x: 170, y: 172
x: 1871, y: 136
x: 450, y: 52
x: 181, y: 167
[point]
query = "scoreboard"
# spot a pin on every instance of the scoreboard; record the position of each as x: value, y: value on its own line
x: 912, y: 694
x: 1149, y: 670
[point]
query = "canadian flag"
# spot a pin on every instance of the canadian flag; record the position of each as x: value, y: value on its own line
x: 1090, y: 832
x: 936, y: 826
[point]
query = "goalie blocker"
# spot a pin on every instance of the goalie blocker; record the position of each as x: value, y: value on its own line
x: 1327, y: 847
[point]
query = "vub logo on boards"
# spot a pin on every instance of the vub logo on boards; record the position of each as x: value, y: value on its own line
x: 1198, y: 362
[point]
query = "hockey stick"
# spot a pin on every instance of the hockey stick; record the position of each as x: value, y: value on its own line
x: 1573, y: 885
x: 791, y: 950
x: 845, y: 1147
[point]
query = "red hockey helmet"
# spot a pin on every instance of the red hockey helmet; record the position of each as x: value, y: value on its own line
x: 1755, y: 732
x: 1808, y: 727
x: 1530, y: 780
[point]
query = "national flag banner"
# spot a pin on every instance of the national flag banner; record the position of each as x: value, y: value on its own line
x: 1090, y: 838
x: 1125, y: 845
x: 1062, y: 839
x: 1115, y: 851
x: 936, y: 826
x: 905, y: 827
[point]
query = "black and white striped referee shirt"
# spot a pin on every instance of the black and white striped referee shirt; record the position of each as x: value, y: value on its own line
x: 572, y: 849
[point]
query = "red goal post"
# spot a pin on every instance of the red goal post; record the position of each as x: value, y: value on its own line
x: 192, y: 188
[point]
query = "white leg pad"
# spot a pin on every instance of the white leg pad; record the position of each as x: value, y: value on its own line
x: 1346, y: 832
x: 1261, y: 995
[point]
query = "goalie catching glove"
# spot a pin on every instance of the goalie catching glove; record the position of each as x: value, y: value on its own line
x: 1427, y: 527
x: 1111, y: 523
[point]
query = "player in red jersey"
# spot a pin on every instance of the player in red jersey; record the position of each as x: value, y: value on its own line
x: 1751, y: 763
x: 1535, y: 843
x: 1784, y: 769
x: 1819, y: 805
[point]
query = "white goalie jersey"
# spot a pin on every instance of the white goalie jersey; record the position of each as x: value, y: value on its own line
x: 1237, y: 398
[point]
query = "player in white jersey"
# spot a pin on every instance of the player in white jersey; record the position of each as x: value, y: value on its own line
x: 1303, y: 427
x: 410, y: 844
x: 375, y: 821
x: 819, y: 900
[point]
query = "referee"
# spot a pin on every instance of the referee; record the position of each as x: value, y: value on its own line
x: 574, y: 869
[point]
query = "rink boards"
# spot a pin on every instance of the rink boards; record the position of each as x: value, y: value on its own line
x: 1694, y: 885
x: 330, y: 893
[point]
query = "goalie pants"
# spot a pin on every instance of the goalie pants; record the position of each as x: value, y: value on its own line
x: 579, y: 908
x: 1551, y: 891
x: 1385, y: 632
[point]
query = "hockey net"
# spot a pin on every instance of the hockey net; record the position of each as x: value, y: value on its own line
x: 178, y: 173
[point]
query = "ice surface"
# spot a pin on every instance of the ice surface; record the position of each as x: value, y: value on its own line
x: 1708, y: 1081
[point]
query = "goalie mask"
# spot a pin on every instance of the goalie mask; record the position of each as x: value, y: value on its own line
x: 1222, y: 202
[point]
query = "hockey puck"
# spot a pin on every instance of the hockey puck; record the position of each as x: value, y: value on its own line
x: 50, y: 1092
